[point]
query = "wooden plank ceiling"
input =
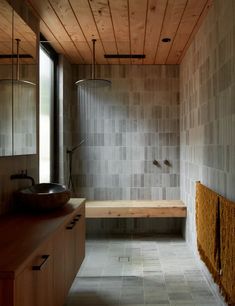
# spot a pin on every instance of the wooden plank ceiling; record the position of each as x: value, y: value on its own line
x: 121, y: 27
x: 20, y: 31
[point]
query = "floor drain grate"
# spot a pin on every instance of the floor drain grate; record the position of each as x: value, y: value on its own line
x: 123, y: 258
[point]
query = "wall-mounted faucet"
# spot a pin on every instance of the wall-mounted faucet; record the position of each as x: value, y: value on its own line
x: 167, y: 163
x: 22, y: 176
x: 156, y: 163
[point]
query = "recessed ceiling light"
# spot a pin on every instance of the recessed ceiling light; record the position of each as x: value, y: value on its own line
x: 166, y: 39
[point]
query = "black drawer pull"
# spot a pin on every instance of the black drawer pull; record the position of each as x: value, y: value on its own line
x: 71, y: 225
x: 76, y: 218
x: 39, y: 267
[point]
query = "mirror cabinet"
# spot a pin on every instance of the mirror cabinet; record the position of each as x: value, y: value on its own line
x: 18, y: 84
x: 6, y: 75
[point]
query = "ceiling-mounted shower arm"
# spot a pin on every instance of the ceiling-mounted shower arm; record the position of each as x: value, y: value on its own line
x: 93, y: 59
x: 17, y: 56
x: 17, y: 59
x: 93, y: 82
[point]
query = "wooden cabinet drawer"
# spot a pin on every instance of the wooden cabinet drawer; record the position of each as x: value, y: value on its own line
x: 80, y: 240
x: 59, y: 269
x: 39, y: 262
x: 34, y: 286
x: 74, y: 246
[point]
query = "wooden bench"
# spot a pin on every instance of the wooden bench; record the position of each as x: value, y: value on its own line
x: 136, y: 209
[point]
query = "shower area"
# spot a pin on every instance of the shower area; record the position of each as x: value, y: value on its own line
x: 130, y: 140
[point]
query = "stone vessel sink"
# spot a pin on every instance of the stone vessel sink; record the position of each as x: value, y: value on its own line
x: 43, y: 197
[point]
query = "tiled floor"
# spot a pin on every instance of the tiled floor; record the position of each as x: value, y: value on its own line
x: 140, y: 271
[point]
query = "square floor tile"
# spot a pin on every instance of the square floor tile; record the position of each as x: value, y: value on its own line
x: 138, y: 271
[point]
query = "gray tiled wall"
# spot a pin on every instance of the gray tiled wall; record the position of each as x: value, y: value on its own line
x: 125, y: 128
x: 11, y: 165
x: 207, y: 110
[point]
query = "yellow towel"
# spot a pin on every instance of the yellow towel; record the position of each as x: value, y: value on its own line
x: 207, y: 228
x: 227, y: 249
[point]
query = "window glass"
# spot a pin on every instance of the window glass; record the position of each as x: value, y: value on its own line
x: 45, y: 122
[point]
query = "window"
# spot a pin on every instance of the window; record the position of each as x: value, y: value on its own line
x: 46, y: 116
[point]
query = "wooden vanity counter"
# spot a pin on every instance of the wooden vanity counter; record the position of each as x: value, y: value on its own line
x: 22, y: 234
x: 53, y: 242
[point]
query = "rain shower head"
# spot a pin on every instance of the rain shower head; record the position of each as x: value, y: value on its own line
x: 15, y: 81
x: 93, y: 82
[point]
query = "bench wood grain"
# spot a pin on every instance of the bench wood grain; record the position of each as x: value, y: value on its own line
x: 136, y: 209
